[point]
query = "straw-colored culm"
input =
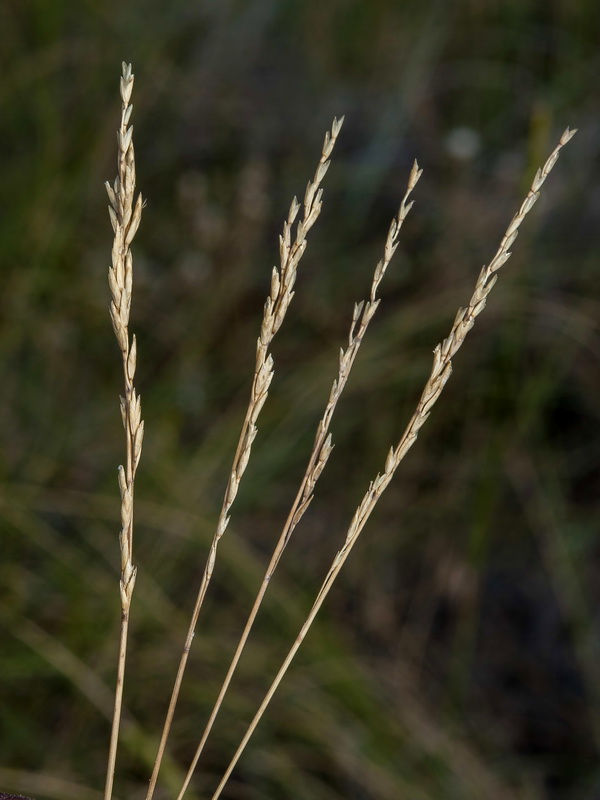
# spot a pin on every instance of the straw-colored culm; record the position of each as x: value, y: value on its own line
x: 125, y: 212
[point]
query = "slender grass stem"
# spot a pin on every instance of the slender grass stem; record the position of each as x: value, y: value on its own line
x: 125, y: 215
x: 114, y: 736
x: 276, y: 306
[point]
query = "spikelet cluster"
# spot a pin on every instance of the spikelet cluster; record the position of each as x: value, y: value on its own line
x: 125, y: 214
x: 292, y: 244
x: 276, y: 306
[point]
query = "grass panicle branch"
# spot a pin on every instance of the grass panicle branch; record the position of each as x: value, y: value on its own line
x: 125, y: 214
x: 440, y: 373
x: 322, y: 447
x: 291, y: 249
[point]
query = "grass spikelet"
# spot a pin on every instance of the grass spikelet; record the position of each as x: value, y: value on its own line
x: 125, y: 214
x: 291, y: 248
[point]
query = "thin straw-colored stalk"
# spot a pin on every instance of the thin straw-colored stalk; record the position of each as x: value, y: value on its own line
x: 276, y: 306
x: 322, y: 447
x: 125, y: 215
x: 441, y: 370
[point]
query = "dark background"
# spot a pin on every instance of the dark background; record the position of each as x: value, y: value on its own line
x: 458, y: 656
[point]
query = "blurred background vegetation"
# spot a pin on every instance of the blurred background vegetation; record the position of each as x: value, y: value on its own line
x: 458, y: 657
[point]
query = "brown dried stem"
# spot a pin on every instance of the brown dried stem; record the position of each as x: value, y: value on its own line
x: 125, y: 215
x: 441, y: 370
x: 276, y: 306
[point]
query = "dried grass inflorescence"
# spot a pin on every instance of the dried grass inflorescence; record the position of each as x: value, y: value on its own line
x: 322, y: 447
x: 125, y: 216
x: 441, y: 370
x: 275, y: 309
